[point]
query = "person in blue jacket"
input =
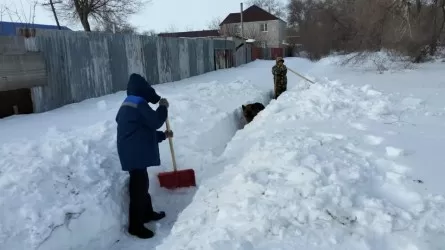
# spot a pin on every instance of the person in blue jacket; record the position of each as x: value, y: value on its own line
x: 137, y: 146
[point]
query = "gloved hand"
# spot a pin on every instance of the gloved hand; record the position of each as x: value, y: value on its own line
x: 163, y: 102
x: 168, y: 134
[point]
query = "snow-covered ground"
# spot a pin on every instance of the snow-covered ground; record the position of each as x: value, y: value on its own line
x: 351, y: 162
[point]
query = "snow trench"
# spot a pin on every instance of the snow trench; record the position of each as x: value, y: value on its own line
x: 66, y: 189
x: 308, y: 175
x: 225, y: 129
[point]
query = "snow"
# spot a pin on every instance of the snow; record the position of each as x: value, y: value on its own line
x: 350, y: 162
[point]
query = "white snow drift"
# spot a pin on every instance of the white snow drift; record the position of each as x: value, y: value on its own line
x: 351, y: 162
x: 303, y: 176
x: 64, y: 190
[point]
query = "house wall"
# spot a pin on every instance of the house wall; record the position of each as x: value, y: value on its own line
x: 276, y: 31
x: 84, y: 65
x: 282, y: 32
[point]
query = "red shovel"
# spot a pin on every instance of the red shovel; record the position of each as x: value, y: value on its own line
x: 176, y: 178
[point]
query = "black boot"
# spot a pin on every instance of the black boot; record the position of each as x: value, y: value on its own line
x: 154, y: 216
x: 151, y: 215
x: 138, y: 204
x: 141, y: 232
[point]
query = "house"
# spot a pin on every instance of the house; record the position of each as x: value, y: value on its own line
x: 200, y: 33
x: 258, y: 24
x: 11, y: 28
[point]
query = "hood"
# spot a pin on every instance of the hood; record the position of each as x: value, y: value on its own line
x: 138, y: 86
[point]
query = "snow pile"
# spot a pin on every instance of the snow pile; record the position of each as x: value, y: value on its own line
x: 334, y: 165
x: 48, y: 183
x: 64, y: 189
x: 305, y: 174
x: 331, y: 100
x: 371, y: 61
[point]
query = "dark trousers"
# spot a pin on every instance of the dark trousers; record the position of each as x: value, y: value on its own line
x: 141, y: 207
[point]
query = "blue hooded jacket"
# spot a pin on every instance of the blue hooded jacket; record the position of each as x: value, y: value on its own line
x: 137, y: 125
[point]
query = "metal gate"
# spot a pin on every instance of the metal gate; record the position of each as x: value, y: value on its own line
x: 223, y: 59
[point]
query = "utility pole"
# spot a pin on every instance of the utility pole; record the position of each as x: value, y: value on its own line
x: 242, y: 32
x: 242, y: 23
x: 53, y: 9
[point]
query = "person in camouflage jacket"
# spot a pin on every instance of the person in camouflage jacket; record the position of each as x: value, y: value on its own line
x: 279, y: 71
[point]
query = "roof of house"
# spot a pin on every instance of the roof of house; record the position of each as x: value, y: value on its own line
x: 251, y: 14
x: 200, y: 33
x: 10, y: 28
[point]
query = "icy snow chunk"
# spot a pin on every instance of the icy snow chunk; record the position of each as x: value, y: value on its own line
x: 394, y: 152
x: 373, y: 140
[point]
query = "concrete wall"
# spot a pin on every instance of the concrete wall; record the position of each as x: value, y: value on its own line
x: 85, y: 65
x: 20, y: 69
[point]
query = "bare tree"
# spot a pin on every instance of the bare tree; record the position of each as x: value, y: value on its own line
x: 2, y: 12
x: 149, y: 33
x: 411, y: 27
x: 254, y: 32
x: 19, y: 14
x: 251, y: 31
x: 53, y: 10
x: 214, y: 23
x: 275, y: 7
x: 123, y: 28
x: 171, y: 29
x: 188, y: 28
x: 102, y: 12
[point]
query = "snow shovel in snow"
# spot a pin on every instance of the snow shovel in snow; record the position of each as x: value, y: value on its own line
x: 300, y: 76
x: 176, y: 178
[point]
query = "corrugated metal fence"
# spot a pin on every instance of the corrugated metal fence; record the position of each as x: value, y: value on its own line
x: 87, y: 65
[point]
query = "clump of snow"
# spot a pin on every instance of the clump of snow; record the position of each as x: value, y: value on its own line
x: 374, y: 140
x: 394, y: 152
x: 440, y: 54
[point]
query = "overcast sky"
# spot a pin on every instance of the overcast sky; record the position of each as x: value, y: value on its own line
x: 158, y: 15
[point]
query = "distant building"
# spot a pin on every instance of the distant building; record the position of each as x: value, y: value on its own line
x: 258, y: 24
x: 266, y: 29
x: 11, y: 28
x: 195, y: 34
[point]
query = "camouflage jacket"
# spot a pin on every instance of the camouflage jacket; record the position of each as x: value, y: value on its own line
x: 280, y: 73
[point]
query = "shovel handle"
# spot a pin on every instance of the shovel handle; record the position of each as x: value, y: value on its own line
x: 170, y: 142
x: 300, y: 76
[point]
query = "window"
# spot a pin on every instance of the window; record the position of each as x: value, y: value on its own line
x: 263, y: 27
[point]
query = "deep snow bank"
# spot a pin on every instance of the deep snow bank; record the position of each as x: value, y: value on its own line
x: 306, y: 174
x: 64, y: 189
x: 381, y: 61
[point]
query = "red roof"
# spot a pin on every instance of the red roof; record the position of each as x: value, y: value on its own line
x: 201, y: 33
x: 251, y: 14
